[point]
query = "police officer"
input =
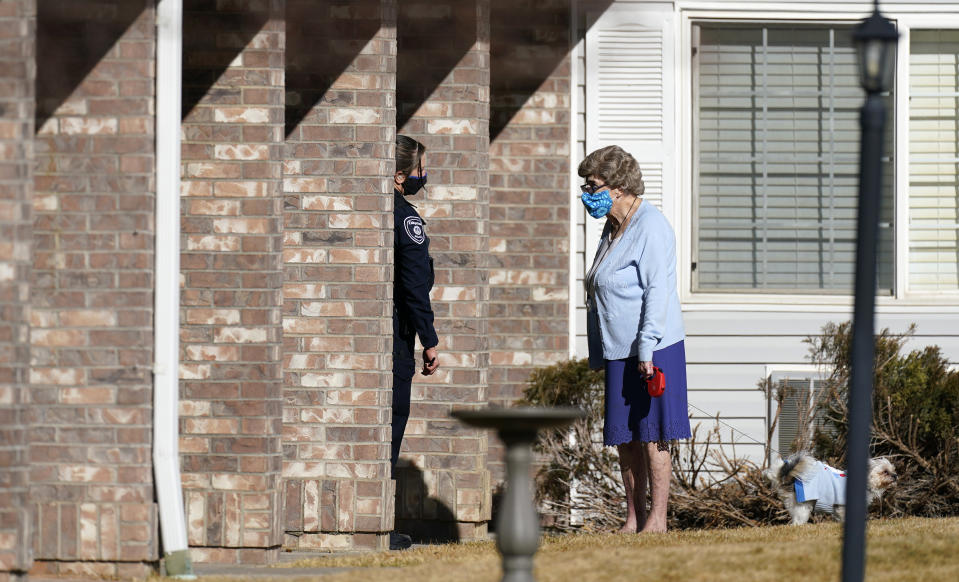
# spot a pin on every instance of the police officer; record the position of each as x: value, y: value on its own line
x: 413, y: 279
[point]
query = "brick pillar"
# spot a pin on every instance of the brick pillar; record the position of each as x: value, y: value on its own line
x: 529, y: 212
x: 17, y: 68
x: 341, y: 67
x: 92, y: 289
x: 231, y: 381
x: 443, y: 101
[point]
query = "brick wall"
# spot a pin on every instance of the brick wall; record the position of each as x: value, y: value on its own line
x: 91, y: 290
x: 337, y: 256
x: 231, y: 383
x: 443, y: 101
x: 529, y: 208
x: 17, y: 68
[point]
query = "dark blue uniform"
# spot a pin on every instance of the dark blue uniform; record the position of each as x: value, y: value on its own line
x: 412, y: 312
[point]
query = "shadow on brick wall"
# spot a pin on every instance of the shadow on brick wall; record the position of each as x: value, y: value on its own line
x: 424, y: 518
x: 323, y: 39
x: 211, y: 41
x: 72, y: 37
x: 431, y: 40
x: 528, y: 41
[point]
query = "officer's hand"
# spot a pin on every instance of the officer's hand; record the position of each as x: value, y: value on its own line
x: 431, y: 361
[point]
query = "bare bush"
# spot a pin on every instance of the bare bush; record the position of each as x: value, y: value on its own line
x: 915, y: 424
x: 579, y: 486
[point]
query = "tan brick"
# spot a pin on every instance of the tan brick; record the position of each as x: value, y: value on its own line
x: 87, y: 395
x: 88, y: 318
x: 57, y: 337
x: 88, y: 126
x: 241, y: 189
x: 213, y: 243
x: 241, y: 115
x: 241, y: 226
x: 212, y: 317
x: 214, y: 207
x: 329, y: 203
x: 211, y: 426
x: 241, y: 152
x: 63, y: 376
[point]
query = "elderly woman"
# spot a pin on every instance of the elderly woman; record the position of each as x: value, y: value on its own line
x: 634, y: 323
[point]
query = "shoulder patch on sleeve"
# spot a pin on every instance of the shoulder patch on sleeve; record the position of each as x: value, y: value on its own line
x: 414, y: 229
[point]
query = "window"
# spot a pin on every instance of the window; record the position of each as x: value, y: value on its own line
x: 776, y: 160
x: 933, y: 160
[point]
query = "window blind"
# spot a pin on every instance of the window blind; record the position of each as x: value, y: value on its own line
x: 776, y: 155
x: 934, y: 160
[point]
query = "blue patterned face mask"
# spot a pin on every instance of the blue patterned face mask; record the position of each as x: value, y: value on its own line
x: 598, y: 203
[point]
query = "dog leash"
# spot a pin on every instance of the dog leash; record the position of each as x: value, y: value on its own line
x: 734, y: 429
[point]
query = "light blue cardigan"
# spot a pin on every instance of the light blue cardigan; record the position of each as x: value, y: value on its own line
x: 635, y: 308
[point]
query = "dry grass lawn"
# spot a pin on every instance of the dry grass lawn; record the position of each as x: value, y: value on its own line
x: 903, y: 550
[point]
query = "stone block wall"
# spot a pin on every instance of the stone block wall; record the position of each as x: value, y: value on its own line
x: 92, y: 289
x: 231, y: 246
x: 529, y: 196
x: 443, y: 101
x: 337, y: 258
x: 17, y: 76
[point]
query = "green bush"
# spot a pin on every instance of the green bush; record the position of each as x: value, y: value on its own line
x: 915, y: 418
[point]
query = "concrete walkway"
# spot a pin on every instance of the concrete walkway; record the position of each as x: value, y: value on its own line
x: 266, y: 572
x: 275, y: 571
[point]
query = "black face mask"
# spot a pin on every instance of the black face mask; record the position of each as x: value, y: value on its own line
x: 413, y: 184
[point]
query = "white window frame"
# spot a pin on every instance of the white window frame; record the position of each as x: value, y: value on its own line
x: 903, y: 300
x: 909, y: 22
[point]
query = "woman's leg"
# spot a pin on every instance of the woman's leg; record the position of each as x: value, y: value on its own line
x: 633, y: 468
x: 660, y: 472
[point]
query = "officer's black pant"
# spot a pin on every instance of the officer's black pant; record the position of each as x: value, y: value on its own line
x: 404, y: 367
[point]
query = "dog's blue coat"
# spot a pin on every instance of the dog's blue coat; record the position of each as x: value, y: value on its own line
x: 822, y: 484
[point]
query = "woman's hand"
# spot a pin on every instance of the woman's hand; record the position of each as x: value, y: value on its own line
x: 646, y: 369
x: 431, y: 361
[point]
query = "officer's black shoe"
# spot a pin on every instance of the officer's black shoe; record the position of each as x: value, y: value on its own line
x: 400, y: 541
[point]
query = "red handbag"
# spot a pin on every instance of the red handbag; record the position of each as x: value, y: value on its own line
x: 656, y: 384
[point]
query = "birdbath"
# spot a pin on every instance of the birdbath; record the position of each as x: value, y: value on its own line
x: 517, y: 525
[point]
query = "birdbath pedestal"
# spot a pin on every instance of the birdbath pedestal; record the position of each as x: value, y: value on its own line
x: 517, y: 525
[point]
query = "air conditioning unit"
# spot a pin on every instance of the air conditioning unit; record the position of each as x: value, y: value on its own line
x: 801, y: 390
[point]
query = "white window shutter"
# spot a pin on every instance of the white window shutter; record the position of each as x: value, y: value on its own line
x: 631, y: 97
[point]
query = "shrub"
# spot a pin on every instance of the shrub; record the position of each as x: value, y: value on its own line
x: 915, y: 423
x: 579, y: 486
x: 578, y: 475
x: 915, y: 418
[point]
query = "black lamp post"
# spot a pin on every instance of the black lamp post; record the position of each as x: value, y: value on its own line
x: 876, y: 39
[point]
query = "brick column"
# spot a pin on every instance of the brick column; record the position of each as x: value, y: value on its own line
x: 92, y: 290
x: 341, y: 66
x: 231, y: 384
x: 17, y: 68
x: 443, y: 101
x: 529, y: 183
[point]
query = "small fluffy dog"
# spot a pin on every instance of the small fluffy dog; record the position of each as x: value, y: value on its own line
x: 805, y: 484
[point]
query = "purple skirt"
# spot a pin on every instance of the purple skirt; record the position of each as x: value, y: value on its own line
x: 632, y: 415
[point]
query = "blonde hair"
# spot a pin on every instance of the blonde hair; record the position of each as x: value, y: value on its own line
x: 616, y: 167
